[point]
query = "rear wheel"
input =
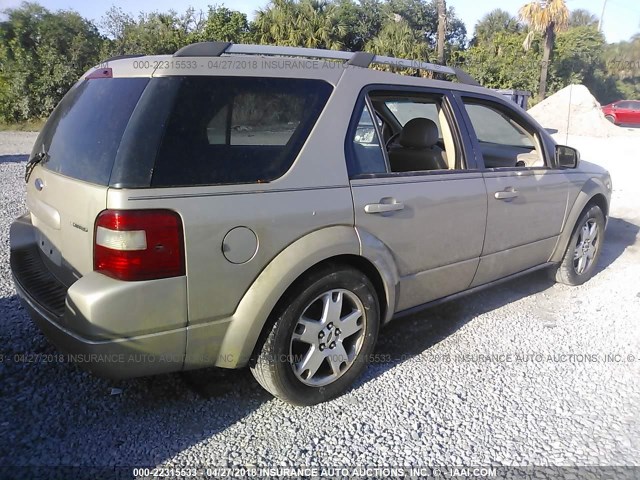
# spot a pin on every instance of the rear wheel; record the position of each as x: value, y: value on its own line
x: 321, y: 338
x: 583, y: 251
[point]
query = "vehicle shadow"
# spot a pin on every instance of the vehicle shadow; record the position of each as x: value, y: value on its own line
x: 413, y: 335
x: 619, y: 236
x: 13, y: 158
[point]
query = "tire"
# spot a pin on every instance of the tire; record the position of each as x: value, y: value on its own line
x: 290, y: 349
x: 584, y: 246
x: 611, y: 118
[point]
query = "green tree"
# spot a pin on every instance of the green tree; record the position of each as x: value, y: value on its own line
x: 223, y: 24
x: 582, y: 18
x: 398, y: 39
x: 42, y: 54
x: 578, y: 55
x: 623, y: 66
x: 361, y: 20
x: 422, y: 16
x: 151, y: 34
x: 499, y: 63
x: 494, y: 22
x: 579, y: 58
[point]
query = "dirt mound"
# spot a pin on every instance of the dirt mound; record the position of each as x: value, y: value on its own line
x: 573, y: 110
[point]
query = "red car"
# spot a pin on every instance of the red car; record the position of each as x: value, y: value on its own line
x: 623, y: 112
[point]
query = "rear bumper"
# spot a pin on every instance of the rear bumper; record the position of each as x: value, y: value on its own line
x: 114, y: 329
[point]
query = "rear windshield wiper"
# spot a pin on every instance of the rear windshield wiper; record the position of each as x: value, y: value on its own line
x: 33, y: 161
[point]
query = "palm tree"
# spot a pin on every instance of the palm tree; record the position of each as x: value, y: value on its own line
x: 273, y: 23
x: 317, y: 25
x: 546, y: 17
x: 398, y: 39
x: 307, y: 23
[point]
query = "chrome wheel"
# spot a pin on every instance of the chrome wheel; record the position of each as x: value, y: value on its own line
x: 327, y: 337
x: 586, y: 246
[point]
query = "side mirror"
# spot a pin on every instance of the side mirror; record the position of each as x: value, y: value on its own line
x: 567, y: 157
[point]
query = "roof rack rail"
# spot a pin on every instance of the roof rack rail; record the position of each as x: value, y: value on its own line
x: 121, y: 57
x: 356, y: 59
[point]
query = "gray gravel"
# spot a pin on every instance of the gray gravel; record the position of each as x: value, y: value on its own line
x: 422, y: 404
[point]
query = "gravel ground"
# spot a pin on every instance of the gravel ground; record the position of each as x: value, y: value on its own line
x: 424, y: 404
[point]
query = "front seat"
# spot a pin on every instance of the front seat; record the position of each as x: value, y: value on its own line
x: 418, y: 149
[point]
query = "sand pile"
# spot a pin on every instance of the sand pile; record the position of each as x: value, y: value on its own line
x: 573, y: 110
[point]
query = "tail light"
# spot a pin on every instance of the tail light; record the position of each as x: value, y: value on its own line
x: 139, y: 244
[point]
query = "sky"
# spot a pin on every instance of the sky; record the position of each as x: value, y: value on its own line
x: 621, y: 18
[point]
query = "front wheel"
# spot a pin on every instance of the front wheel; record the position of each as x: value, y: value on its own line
x: 611, y: 118
x: 322, y: 337
x: 581, y: 257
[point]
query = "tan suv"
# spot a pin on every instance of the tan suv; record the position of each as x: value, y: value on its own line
x: 236, y: 205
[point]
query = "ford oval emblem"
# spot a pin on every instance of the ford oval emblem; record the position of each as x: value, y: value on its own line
x: 39, y: 184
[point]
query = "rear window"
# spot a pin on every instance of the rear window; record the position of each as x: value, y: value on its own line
x: 83, y: 133
x: 225, y: 130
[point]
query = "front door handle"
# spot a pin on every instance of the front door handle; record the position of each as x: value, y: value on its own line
x: 506, y: 194
x: 386, y: 204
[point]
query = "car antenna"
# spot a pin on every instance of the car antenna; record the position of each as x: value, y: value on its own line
x: 566, y: 139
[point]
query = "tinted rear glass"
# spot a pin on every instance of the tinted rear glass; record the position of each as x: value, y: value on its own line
x: 236, y: 130
x: 83, y: 134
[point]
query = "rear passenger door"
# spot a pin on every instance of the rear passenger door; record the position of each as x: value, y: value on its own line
x: 432, y: 221
x: 527, y: 195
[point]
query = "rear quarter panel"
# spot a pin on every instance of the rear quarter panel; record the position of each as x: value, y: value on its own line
x: 312, y: 196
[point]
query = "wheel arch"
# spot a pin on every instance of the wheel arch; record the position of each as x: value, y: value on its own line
x: 338, y: 245
x: 591, y: 194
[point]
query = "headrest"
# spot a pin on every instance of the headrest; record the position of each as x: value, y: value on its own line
x: 419, y: 133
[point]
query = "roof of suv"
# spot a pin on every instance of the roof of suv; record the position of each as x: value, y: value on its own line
x: 227, y: 59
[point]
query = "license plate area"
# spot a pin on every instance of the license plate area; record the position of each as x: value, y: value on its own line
x: 48, y: 249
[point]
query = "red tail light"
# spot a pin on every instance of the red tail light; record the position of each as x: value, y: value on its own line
x: 139, y: 244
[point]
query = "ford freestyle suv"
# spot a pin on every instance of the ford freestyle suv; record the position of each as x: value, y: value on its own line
x: 239, y: 205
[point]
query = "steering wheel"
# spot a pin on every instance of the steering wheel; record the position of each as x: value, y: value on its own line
x: 391, y: 139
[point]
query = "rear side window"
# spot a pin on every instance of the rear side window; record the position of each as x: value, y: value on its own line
x: 236, y: 130
x: 83, y: 134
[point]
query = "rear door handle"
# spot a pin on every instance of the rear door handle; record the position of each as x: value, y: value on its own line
x: 386, y: 204
x: 506, y: 194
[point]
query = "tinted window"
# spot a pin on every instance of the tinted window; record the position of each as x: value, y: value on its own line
x: 83, y: 134
x: 236, y: 130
